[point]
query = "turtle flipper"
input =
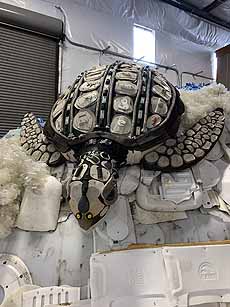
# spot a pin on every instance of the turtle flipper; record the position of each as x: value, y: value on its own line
x: 184, y: 151
x: 35, y: 143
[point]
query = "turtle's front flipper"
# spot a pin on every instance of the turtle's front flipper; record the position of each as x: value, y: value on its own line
x: 187, y: 150
x: 35, y: 143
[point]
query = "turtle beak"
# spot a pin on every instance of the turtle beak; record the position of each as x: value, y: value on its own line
x: 85, y: 224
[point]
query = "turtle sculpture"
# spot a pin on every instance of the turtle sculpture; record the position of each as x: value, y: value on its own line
x: 109, y: 111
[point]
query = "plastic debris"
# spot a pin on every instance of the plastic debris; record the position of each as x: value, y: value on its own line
x: 17, y: 171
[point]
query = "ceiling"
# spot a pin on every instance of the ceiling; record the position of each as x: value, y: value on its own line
x: 215, y: 11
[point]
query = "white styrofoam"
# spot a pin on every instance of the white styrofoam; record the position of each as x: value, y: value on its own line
x: 209, y: 174
x: 225, y: 184
x: 116, y: 220
x: 117, y: 229
x: 177, y: 186
x: 153, y: 217
x: 173, y: 276
x: 210, y: 199
x: 179, y: 191
x: 151, y: 202
x: 15, y: 298
x: 223, y: 140
x: 134, y: 302
x: 39, y: 209
x: 198, y: 274
x: 85, y: 303
x: 51, y: 295
x: 120, y: 276
x: 14, y: 275
x: 216, y: 153
x: 53, y: 258
x: 128, y: 179
x: 147, y: 176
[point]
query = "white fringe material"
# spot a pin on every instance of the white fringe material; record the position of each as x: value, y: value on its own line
x: 17, y: 171
x: 200, y: 102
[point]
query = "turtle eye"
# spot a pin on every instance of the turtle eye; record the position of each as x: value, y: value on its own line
x: 89, y: 216
x: 104, y: 156
x: 78, y: 216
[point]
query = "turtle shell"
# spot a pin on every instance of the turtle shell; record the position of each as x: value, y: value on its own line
x: 129, y: 104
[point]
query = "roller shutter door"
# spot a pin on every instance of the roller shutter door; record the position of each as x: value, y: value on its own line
x: 28, y: 75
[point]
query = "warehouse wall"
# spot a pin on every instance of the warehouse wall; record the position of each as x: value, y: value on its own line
x: 100, y: 29
x: 187, y: 56
x: 94, y: 29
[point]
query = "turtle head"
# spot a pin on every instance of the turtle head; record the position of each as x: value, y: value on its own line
x: 92, y: 188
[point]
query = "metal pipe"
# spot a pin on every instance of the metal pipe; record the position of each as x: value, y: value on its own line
x: 194, y: 75
x: 60, y: 66
x: 113, y: 53
x: 196, y: 12
x: 123, y: 56
x: 213, y: 5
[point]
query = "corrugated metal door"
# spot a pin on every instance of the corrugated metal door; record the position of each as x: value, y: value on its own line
x: 28, y: 75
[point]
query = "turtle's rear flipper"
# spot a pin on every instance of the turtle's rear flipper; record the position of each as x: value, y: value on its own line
x: 35, y: 143
x: 187, y: 150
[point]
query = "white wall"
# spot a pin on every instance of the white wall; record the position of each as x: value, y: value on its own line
x: 100, y: 30
x: 187, y: 56
x: 94, y: 29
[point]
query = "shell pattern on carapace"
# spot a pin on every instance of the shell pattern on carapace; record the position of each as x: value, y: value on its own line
x: 131, y: 105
